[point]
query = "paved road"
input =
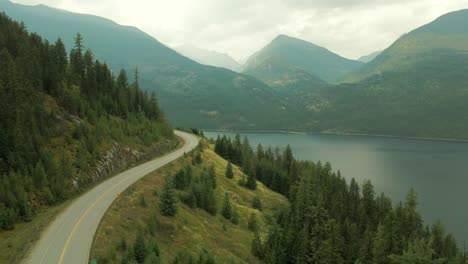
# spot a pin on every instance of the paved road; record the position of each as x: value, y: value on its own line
x: 68, y: 239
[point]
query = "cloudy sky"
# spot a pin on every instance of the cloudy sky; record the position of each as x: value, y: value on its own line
x: 351, y: 28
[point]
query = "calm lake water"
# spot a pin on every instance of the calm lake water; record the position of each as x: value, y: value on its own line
x: 437, y: 170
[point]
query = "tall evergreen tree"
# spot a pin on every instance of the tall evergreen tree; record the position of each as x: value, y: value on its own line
x: 139, y: 248
x: 168, y: 200
x: 235, y: 215
x: 226, y: 211
x: 229, y: 173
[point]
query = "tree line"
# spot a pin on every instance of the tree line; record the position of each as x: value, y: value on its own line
x: 331, y: 221
x: 59, y: 112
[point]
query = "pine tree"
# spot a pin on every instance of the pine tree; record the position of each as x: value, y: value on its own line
x: 257, y: 203
x: 252, y: 224
x: 235, y: 215
x: 211, y: 202
x: 419, y: 252
x: 257, y: 246
x: 251, y: 181
x: 168, y: 198
x: 229, y: 173
x: 39, y: 176
x: 139, y: 248
x: 76, y: 59
x: 226, y: 211
x: 212, y: 176
x: 122, y: 245
x: 197, y: 159
x: 365, y: 252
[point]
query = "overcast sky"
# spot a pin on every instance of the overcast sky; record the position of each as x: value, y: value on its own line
x: 351, y: 28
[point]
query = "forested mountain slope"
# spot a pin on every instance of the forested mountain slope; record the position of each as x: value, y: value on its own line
x: 285, y: 56
x: 66, y: 122
x: 416, y: 87
x: 192, y: 95
x: 446, y: 34
x: 209, y: 210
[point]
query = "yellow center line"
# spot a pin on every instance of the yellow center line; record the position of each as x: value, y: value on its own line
x: 67, y: 243
x: 82, y: 217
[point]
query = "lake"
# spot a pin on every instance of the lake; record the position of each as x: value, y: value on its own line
x: 437, y: 170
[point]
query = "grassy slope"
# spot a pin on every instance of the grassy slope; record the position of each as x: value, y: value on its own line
x: 191, y: 229
x: 15, y: 244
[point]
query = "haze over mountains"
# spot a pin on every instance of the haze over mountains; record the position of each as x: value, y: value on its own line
x: 190, y: 93
x: 286, y: 55
x: 209, y: 57
x: 416, y: 87
x: 369, y: 57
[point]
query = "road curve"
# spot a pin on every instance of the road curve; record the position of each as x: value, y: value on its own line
x: 68, y: 238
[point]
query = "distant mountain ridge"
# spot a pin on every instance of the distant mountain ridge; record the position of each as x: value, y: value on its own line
x: 209, y: 57
x: 290, y: 54
x: 190, y: 94
x: 416, y: 87
x: 369, y: 57
x: 447, y: 33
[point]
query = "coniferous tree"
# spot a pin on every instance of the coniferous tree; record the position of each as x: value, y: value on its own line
x: 41, y: 153
x: 226, y: 211
x: 253, y: 224
x: 211, y: 202
x: 168, y: 200
x: 235, y: 215
x: 251, y: 181
x: 139, y: 248
x: 212, y: 176
x: 229, y: 173
x: 257, y: 203
x: 257, y: 246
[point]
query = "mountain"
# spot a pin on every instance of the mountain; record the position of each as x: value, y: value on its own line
x: 65, y: 124
x: 285, y: 56
x: 416, y: 87
x: 209, y: 57
x: 447, y: 34
x: 369, y: 57
x: 191, y: 94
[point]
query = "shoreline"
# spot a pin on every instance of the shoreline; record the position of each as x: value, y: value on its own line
x: 339, y: 134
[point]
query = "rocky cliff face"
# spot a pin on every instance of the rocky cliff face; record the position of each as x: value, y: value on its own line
x: 119, y: 158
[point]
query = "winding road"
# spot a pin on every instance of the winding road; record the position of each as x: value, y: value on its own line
x: 68, y: 238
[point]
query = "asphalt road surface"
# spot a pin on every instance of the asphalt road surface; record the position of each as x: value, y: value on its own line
x: 68, y: 239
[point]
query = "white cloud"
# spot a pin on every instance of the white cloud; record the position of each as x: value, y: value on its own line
x: 349, y: 27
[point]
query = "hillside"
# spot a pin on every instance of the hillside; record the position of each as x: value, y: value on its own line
x: 370, y: 57
x: 195, y: 209
x: 191, y: 94
x: 191, y: 230
x: 286, y: 56
x: 416, y: 87
x: 446, y: 34
x: 209, y: 57
x: 425, y: 100
x: 67, y: 123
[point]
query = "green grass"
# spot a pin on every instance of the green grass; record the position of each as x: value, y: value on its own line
x: 16, y: 244
x: 190, y: 229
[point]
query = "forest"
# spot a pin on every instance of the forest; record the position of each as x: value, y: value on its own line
x: 60, y: 113
x: 331, y: 221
